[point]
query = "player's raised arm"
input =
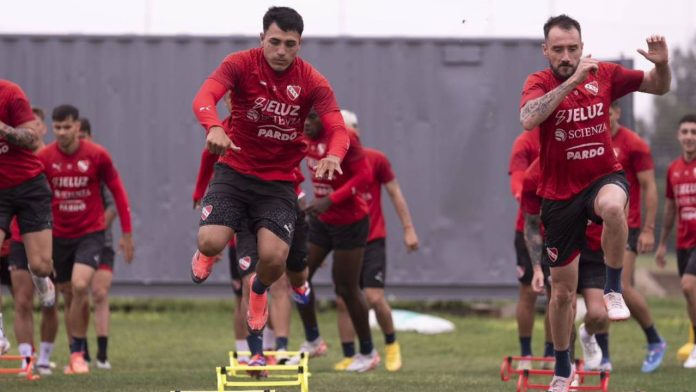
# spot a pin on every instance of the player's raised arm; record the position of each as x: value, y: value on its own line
x: 657, y: 80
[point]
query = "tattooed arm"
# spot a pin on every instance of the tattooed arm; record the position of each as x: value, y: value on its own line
x: 537, y: 110
x: 23, y: 135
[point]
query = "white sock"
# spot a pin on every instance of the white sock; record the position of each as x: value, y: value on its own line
x: 268, y: 339
x: 25, y: 350
x: 2, y: 328
x: 45, y: 351
x: 242, y: 345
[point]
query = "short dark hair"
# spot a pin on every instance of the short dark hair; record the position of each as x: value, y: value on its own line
x: 39, y: 112
x: 62, y: 112
x: 285, y: 17
x: 85, y: 126
x: 691, y: 117
x: 563, y: 21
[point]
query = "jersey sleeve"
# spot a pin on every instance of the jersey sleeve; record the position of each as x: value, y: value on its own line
x: 383, y: 170
x: 205, y: 173
x: 534, y: 87
x: 19, y: 108
x: 641, y: 158
x: 362, y: 172
x: 110, y: 177
x: 669, y: 191
x: 623, y: 80
x: 339, y: 140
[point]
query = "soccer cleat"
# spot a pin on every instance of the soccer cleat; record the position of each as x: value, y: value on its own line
x: 301, y: 294
x: 201, y: 267
x: 690, y: 362
x: 44, y: 370
x: 45, y: 290
x: 524, y: 364
x: 257, y: 312
x: 4, y: 345
x: 315, y: 348
x: 654, y: 357
x: 684, y: 351
x: 282, y: 357
x: 77, y: 365
x: 257, y: 360
x: 605, y: 366
x: 561, y: 384
x: 616, y: 307
x: 363, y: 363
x: 591, y: 352
x: 343, y: 364
x: 393, y: 357
x: 103, y: 365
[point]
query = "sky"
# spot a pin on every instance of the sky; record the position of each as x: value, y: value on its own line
x: 611, y: 28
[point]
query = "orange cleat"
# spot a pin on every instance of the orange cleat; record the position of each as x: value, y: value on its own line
x: 201, y: 267
x: 77, y: 365
x: 257, y: 313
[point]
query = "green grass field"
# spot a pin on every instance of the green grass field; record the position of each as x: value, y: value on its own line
x: 166, y: 345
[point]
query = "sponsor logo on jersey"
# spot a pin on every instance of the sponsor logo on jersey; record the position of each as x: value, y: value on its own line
x: 274, y: 132
x: 579, y: 114
x: 205, y: 211
x: 581, y: 133
x: 293, y: 91
x: 253, y: 115
x: 70, y: 181
x: 244, y: 263
x: 585, y: 151
x: 592, y: 87
x: 552, y: 253
x: 688, y: 213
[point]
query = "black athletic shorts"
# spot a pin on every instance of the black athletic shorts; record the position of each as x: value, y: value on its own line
x: 339, y: 237
x: 241, y: 201
x: 235, y: 277
x: 106, y: 261
x: 18, y: 256
x: 247, y: 250
x: 30, y: 201
x: 592, y: 272
x: 525, y: 272
x: 374, y: 268
x: 565, y: 221
x: 5, y: 279
x: 68, y: 251
x: 686, y: 261
x: 632, y: 243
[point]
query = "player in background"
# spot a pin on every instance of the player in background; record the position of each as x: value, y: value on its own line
x: 680, y: 205
x: 581, y: 178
x: 76, y: 169
x: 374, y: 269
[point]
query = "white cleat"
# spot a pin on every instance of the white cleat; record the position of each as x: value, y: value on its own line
x: 44, y: 370
x: 316, y: 348
x: 45, y: 290
x: 4, y: 345
x: 363, y: 363
x: 690, y: 362
x: 103, y: 365
x: 616, y: 307
x: 591, y: 352
x: 524, y: 364
x: 561, y: 384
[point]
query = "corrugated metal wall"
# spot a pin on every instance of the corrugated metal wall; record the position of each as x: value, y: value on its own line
x: 444, y: 111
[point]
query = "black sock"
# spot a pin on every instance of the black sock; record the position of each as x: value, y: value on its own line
x: 525, y: 346
x: 603, y: 342
x: 613, y: 283
x: 258, y: 287
x: 348, y: 349
x: 366, y: 347
x: 562, y: 363
x: 390, y: 338
x: 102, y: 343
x: 87, y: 357
x: 652, y: 335
x: 311, y: 332
x: 548, y: 349
x: 255, y: 342
x: 281, y: 343
x: 694, y: 328
x: 78, y: 345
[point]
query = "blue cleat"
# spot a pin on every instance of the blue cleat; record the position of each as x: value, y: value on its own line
x: 301, y: 294
x: 656, y: 353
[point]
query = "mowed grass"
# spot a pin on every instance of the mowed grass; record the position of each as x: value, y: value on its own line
x: 175, y: 345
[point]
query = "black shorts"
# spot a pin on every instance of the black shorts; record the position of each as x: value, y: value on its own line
x: 30, y: 202
x: 5, y: 279
x: 68, y: 251
x: 592, y: 272
x: 525, y: 272
x: 374, y: 268
x: 247, y: 250
x: 241, y: 201
x: 632, y: 243
x: 686, y: 261
x: 18, y: 256
x: 106, y: 261
x: 235, y: 277
x: 339, y: 237
x: 565, y: 221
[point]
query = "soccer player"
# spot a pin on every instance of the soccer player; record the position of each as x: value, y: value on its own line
x: 339, y: 222
x: 581, y: 178
x: 680, y: 205
x: 76, y: 169
x: 634, y: 156
x: 374, y: 269
x: 23, y: 291
x: 525, y: 150
x: 24, y: 192
x: 5, y: 281
x: 272, y: 91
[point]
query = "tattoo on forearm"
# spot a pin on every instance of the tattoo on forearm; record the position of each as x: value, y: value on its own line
x: 22, y: 137
x: 532, y: 237
x: 541, y: 108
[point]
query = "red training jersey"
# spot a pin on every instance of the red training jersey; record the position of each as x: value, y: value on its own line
x: 634, y: 155
x: 269, y: 110
x: 75, y: 180
x: 525, y: 150
x: 576, y: 137
x: 681, y: 187
x: 347, y: 206
x: 381, y: 174
x: 17, y: 164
